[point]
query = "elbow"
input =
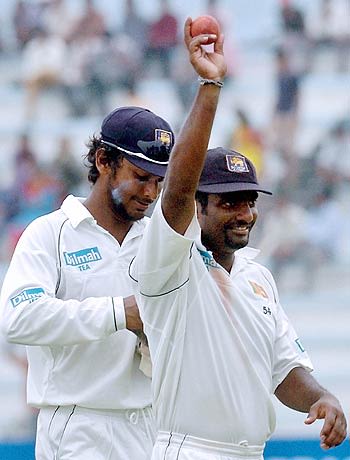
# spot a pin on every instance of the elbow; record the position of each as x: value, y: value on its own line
x: 11, y: 330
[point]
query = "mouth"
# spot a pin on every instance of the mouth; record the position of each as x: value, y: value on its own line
x: 142, y: 206
x: 240, y: 230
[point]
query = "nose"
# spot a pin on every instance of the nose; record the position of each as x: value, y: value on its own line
x: 151, y: 190
x: 244, y: 212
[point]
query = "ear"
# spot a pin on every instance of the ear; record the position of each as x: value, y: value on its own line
x: 101, y: 161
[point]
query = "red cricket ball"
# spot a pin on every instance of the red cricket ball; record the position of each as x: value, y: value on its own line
x: 205, y: 25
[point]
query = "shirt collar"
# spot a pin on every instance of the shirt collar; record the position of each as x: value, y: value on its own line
x: 247, y: 253
x: 242, y: 257
x: 75, y: 210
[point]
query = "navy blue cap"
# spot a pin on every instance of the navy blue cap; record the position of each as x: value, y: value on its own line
x: 228, y: 171
x: 143, y: 137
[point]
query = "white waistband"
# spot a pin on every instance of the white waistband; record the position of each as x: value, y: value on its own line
x: 129, y: 413
x: 243, y: 449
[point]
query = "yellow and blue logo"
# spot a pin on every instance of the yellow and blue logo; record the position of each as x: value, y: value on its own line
x: 165, y: 137
x: 236, y: 163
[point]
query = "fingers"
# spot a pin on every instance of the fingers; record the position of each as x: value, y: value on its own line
x: 219, y: 44
x: 195, y: 43
x: 187, y: 31
x: 312, y: 417
x: 333, y: 431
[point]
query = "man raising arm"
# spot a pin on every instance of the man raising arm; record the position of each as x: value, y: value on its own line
x: 220, y: 342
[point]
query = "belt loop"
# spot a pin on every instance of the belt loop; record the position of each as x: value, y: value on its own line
x: 133, y: 416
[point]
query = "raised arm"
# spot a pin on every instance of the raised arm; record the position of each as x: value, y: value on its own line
x: 188, y: 155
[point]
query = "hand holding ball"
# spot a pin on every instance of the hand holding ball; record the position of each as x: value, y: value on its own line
x: 205, y: 25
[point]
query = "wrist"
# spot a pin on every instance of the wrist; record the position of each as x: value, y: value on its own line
x: 208, y: 81
x: 119, y: 313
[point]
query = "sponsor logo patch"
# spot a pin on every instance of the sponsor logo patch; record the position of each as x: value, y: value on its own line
x: 236, y: 164
x: 83, y: 257
x: 208, y: 259
x: 27, y: 295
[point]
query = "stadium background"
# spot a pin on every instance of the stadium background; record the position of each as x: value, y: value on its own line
x: 64, y: 64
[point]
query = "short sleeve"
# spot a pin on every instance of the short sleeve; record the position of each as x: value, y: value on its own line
x: 288, y: 350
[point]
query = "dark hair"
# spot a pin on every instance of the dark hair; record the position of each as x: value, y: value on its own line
x: 202, y: 198
x: 113, y: 157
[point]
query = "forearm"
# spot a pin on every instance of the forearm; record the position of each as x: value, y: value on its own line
x: 299, y: 390
x: 191, y: 145
x: 132, y: 315
x: 188, y: 159
x: 188, y: 155
x: 54, y: 322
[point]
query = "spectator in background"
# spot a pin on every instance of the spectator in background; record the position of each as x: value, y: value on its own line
x: 327, y: 169
x: 162, y: 39
x: 248, y: 140
x: 34, y: 192
x: 285, y: 120
x: 90, y: 23
x: 324, y: 226
x: 75, y: 83
x: 43, y: 65
x: 66, y: 169
x: 24, y: 163
x: 58, y: 18
x: 292, y: 18
x: 329, y: 29
x: 95, y: 66
x: 184, y: 77
x: 24, y: 159
x: 294, y: 41
x: 136, y: 28
x: 283, y: 236
x: 27, y: 18
x: 335, y: 147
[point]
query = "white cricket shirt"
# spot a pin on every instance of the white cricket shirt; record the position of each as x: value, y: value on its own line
x: 220, y: 343
x: 57, y: 297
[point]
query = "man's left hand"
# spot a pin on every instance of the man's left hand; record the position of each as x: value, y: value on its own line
x: 333, y: 431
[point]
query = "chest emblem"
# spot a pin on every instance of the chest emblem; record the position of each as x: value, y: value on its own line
x: 258, y: 290
x: 82, y: 258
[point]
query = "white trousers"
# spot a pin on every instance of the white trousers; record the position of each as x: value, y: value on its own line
x: 76, y: 433
x: 174, y: 446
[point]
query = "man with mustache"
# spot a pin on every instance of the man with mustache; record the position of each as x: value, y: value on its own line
x: 68, y: 297
x: 220, y: 342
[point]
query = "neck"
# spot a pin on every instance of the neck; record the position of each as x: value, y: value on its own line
x: 225, y: 260
x: 101, y: 210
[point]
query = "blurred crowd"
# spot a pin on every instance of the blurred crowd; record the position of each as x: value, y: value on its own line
x: 75, y: 53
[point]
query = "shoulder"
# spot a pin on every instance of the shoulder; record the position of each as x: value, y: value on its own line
x: 45, y: 228
x: 53, y: 220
